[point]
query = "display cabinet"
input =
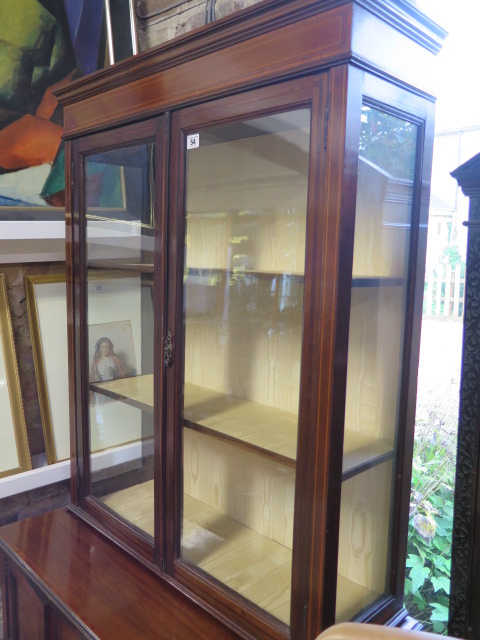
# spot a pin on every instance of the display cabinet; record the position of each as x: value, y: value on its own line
x: 245, y: 252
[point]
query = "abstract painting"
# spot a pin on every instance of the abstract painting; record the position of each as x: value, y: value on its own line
x: 44, y: 44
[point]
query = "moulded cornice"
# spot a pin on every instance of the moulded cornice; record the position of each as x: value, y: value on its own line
x: 468, y: 176
x: 407, y: 18
x: 260, y: 18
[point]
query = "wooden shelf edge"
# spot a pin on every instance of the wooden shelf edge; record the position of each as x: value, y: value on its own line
x: 365, y: 466
x: 248, y: 272
x: 108, y: 390
x: 241, y: 444
x: 356, y: 461
x: 113, y: 265
x: 365, y: 282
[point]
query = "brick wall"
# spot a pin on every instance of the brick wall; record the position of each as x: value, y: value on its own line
x: 162, y: 20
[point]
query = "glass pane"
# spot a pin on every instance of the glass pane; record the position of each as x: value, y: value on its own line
x: 363, y: 539
x: 119, y: 200
x: 246, y: 199
x: 375, y: 351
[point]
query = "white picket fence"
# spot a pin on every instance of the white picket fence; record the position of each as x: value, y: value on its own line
x: 444, y: 292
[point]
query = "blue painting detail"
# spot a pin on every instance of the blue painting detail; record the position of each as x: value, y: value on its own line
x: 85, y: 25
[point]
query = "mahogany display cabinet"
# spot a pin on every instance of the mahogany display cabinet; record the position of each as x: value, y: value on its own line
x: 246, y: 231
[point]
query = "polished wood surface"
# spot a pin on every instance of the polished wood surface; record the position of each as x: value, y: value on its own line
x: 29, y: 614
x: 62, y: 630
x: 112, y: 594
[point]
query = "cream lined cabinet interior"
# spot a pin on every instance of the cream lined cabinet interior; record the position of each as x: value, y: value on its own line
x: 245, y: 246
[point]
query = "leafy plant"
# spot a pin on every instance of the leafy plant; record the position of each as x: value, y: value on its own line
x: 427, y: 583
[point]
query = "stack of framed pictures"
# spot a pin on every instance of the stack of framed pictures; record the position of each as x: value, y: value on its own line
x: 47, y: 316
x: 14, y: 450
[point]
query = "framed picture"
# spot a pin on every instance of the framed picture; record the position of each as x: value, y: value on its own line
x: 121, y: 29
x: 120, y: 185
x: 14, y: 452
x: 120, y: 312
x: 111, y: 296
x: 45, y: 45
x: 47, y: 316
x: 111, y: 351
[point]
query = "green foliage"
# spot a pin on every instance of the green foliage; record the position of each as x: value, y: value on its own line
x: 427, y: 583
x: 389, y: 142
x: 452, y: 256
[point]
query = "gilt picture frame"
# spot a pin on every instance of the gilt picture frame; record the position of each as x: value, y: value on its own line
x: 47, y: 312
x: 47, y: 317
x: 14, y: 450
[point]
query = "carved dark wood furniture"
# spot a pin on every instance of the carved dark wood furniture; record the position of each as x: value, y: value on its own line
x: 245, y: 256
x: 464, y: 619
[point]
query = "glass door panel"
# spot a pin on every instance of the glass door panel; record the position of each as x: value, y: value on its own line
x: 246, y: 199
x: 375, y: 356
x: 119, y: 201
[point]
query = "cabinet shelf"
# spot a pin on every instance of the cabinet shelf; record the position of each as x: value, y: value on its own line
x: 204, y: 271
x: 250, y: 425
x: 363, y: 282
x: 358, y: 282
x: 121, y: 265
x: 221, y: 546
x: 365, y: 457
x: 136, y: 391
x: 352, y: 598
x: 224, y: 548
x: 264, y: 430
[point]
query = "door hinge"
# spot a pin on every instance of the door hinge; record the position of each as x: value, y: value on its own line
x: 72, y: 171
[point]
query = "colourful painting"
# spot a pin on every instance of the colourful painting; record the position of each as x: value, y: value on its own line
x: 44, y: 44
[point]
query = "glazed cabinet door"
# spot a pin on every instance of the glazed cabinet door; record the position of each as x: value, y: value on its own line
x: 120, y: 189
x: 375, y: 357
x: 383, y: 341
x: 243, y: 217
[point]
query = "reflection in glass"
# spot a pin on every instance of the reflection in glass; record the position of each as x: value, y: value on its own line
x: 120, y: 184
x: 246, y: 199
x: 375, y: 352
x: 119, y: 205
